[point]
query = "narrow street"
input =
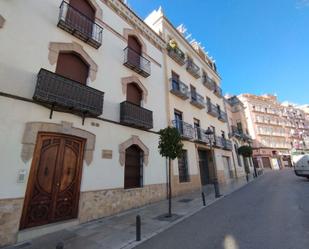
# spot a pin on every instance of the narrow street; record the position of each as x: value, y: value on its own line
x: 270, y: 213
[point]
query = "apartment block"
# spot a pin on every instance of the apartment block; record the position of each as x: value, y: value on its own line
x: 239, y: 135
x: 276, y: 129
x: 194, y: 104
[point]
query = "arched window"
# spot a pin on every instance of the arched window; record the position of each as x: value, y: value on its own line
x: 135, y: 50
x: 84, y: 21
x: 71, y: 65
x: 133, y: 173
x: 134, y: 94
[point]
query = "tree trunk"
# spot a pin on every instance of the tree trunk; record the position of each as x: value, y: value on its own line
x: 169, y: 188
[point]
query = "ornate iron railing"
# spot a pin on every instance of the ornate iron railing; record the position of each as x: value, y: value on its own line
x: 200, y: 135
x: 79, y: 25
x: 59, y: 92
x: 186, y: 130
x: 136, y: 62
x: 222, y: 116
x: 223, y: 143
x: 197, y: 100
x: 179, y: 88
x: 176, y: 54
x: 209, y: 83
x: 135, y: 116
x: 193, y: 69
x: 218, y: 91
x: 212, y: 110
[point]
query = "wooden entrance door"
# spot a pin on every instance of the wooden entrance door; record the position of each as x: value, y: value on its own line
x: 204, y: 167
x: 133, y: 173
x: 54, y: 182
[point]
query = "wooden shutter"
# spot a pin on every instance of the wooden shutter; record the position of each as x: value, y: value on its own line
x: 73, y: 67
x: 134, y: 94
x: 84, y: 7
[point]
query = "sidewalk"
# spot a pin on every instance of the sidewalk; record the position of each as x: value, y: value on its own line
x: 119, y: 231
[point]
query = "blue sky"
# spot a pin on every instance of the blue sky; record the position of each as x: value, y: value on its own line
x: 260, y: 46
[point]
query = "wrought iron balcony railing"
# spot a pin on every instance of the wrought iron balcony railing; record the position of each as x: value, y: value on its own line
x: 218, y: 91
x: 79, y: 25
x: 64, y: 94
x: 197, y: 100
x: 222, y: 116
x: 177, y: 55
x: 186, y: 130
x: 209, y: 83
x: 179, y: 88
x: 212, y: 110
x: 136, y: 116
x: 136, y: 62
x: 193, y: 69
x: 236, y: 132
x: 223, y: 143
x: 200, y: 135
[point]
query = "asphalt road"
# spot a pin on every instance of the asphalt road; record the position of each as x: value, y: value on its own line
x: 269, y: 213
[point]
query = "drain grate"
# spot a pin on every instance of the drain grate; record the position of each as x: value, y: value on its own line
x: 185, y: 200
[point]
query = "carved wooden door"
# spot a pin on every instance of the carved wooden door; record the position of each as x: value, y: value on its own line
x: 54, y: 182
x: 135, y: 51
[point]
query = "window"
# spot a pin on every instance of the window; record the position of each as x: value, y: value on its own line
x: 134, y: 51
x: 239, y: 127
x: 175, y: 81
x: 238, y: 156
x: 133, y: 173
x: 183, y: 167
x: 197, y: 128
x: 178, y: 121
x: 219, y: 110
x: 71, y: 65
x: 193, y: 93
x: 134, y: 94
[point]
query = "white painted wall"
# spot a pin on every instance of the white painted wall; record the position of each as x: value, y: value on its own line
x: 100, y: 174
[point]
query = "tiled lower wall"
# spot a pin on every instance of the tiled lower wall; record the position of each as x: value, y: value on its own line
x: 93, y: 205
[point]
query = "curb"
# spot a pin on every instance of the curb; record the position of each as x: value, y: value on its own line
x: 134, y: 243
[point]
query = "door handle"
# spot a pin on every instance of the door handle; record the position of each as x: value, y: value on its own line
x: 57, y: 184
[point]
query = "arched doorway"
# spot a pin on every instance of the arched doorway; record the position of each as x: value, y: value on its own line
x: 133, y: 173
x: 134, y: 94
x: 71, y: 65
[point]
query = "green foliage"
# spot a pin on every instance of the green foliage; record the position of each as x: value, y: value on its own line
x: 170, y: 144
x: 245, y: 151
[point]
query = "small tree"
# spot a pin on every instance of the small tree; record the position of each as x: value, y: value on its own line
x: 246, y: 152
x: 170, y: 146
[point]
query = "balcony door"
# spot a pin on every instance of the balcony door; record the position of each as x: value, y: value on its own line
x: 178, y: 121
x: 134, y: 51
x: 175, y: 81
x: 134, y: 94
x: 54, y: 182
x: 81, y: 15
x: 71, y: 66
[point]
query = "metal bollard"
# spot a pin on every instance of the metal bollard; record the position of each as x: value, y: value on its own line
x: 60, y: 245
x: 203, y: 198
x: 217, y: 189
x: 247, y: 177
x: 138, y: 228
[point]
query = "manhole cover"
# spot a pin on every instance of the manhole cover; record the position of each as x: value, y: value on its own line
x: 164, y: 217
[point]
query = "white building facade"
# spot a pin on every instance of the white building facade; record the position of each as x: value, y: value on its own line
x: 81, y: 86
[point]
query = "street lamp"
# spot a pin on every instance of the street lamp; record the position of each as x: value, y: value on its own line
x: 210, y: 135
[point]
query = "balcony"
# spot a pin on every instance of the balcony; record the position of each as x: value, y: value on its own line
x: 176, y: 54
x: 79, y: 25
x: 197, y: 100
x: 218, y: 91
x: 200, y: 135
x: 193, y: 69
x: 222, y: 116
x: 136, y: 116
x: 212, y: 110
x: 179, y: 88
x: 136, y: 62
x: 186, y: 130
x: 209, y: 83
x: 223, y: 143
x: 64, y: 94
x: 236, y: 132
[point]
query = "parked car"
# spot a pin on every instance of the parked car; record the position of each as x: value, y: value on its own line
x: 301, y: 165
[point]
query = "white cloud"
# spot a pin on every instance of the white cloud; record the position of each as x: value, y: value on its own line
x: 302, y: 4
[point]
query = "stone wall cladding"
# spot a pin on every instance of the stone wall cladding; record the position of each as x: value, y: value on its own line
x: 180, y: 188
x: 10, y: 212
x: 221, y: 177
x: 102, y: 203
